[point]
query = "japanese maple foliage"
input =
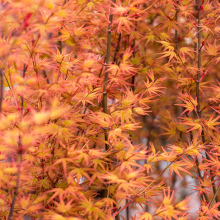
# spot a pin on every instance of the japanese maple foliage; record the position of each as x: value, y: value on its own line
x: 109, y: 108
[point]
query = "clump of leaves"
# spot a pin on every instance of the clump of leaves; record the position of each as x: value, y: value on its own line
x: 108, y: 106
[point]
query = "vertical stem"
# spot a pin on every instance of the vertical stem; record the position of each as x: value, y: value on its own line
x: 1, y: 89
x: 107, y: 72
x: 19, y: 158
x: 199, y: 58
x: 60, y: 43
x: 176, y: 33
x: 174, y: 175
x: 22, y: 98
x: 117, y: 49
x: 198, y: 80
x: 59, y: 33
x: 198, y: 83
x: 105, y: 110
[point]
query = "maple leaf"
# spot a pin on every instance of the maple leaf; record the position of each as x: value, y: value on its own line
x: 41, y: 64
x: 62, y: 207
x: 129, y: 99
x: 152, y: 84
x: 113, y: 68
x: 212, y: 49
x: 55, y: 216
x: 189, y: 105
x: 194, y: 149
x: 141, y: 110
x: 185, y: 10
x: 179, y: 166
x: 171, y: 130
x: 9, y: 72
x: 171, y: 24
x: 195, y: 124
x: 166, y: 45
x: 149, y: 37
x: 64, y: 163
x: 183, y: 205
x: 186, y: 50
x: 211, y: 123
x: 127, y: 54
x: 170, y: 54
x: 79, y: 31
x: 214, y: 162
x: 118, y: 9
x: 79, y: 173
x: 167, y: 210
x: 123, y: 23
x: 213, y: 211
x: 145, y: 216
x: 57, y: 192
x: 126, y: 68
x: 26, y: 203
x: 89, y: 208
x: 65, y: 35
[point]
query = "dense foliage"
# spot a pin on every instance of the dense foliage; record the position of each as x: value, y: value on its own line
x: 109, y: 109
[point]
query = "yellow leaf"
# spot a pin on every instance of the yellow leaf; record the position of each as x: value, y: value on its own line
x: 11, y: 170
x: 65, y: 35
x: 146, y: 216
x: 41, y: 117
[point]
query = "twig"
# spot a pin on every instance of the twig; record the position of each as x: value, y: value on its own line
x: 214, y: 197
x: 144, y: 190
x: 117, y: 48
x: 19, y: 158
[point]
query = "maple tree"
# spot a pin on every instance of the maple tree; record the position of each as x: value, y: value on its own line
x: 109, y: 109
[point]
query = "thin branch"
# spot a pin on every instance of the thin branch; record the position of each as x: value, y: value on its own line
x: 199, y: 58
x: 117, y: 48
x: 214, y: 197
x: 1, y: 89
x: 19, y: 158
x: 198, y: 83
x: 144, y: 190
x: 177, y: 49
x: 107, y: 72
